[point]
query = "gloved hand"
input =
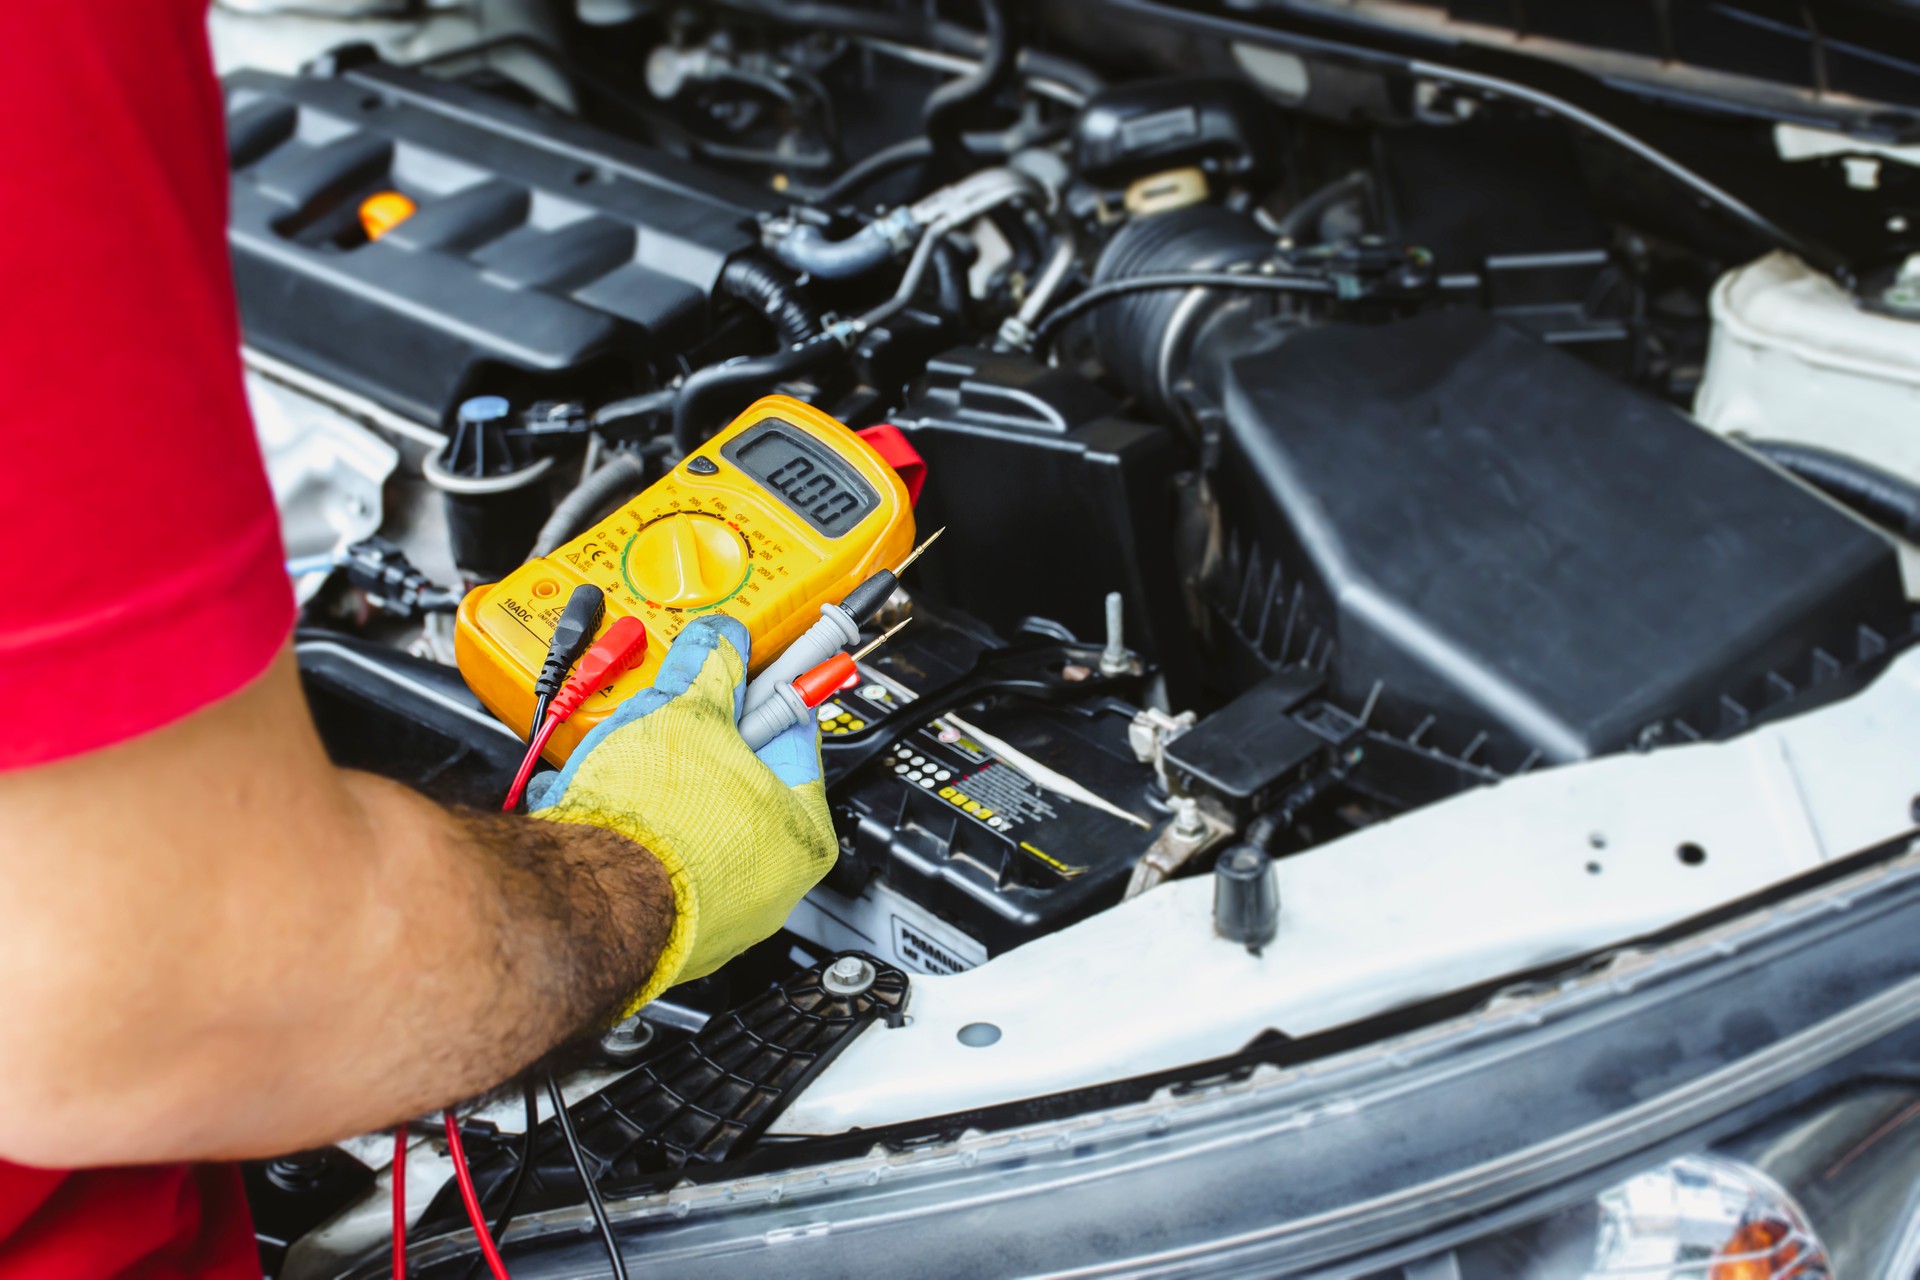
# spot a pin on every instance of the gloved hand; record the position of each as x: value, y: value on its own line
x: 743, y: 837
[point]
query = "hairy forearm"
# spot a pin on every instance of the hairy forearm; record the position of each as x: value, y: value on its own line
x: 531, y: 932
x: 579, y: 916
x: 220, y: 945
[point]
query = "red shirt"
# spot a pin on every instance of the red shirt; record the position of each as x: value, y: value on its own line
x: 133, y: 503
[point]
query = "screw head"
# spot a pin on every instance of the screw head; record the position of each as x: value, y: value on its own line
x: 1187, y: 822
x: 628, y: 1038
x: 848, y: 976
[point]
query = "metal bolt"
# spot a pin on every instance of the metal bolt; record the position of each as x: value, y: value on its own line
x: 628, y: 1038
x: 1143, y: 736
x: 1114, y: 659
x: 848, y: 976
x: 1187, y: 822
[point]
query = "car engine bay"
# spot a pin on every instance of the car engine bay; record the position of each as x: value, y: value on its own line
x: 1397, y: 533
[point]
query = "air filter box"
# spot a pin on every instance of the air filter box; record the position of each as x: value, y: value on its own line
x: 1502, y: 554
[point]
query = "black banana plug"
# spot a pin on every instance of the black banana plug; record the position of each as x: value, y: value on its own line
x: 571, y: 636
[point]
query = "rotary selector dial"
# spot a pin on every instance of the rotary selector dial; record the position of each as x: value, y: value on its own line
x: 687, y: 560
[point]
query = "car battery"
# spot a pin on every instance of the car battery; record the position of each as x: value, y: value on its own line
x: 979, y: 829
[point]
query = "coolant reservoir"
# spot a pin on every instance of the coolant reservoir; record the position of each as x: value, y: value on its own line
x: 1793, y: 357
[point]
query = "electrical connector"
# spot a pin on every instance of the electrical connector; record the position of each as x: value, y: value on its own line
x: 571, y: 636
x: 616, y: 653
x: 611, y: 657
x: 391, y: 582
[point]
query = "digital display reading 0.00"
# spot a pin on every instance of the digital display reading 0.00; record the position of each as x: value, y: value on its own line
x: 807, y: 477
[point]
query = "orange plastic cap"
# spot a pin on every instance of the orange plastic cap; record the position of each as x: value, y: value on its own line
x: 383, y: 211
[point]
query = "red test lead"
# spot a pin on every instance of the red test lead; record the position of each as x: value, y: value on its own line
x: 612, y: 656
x: 463, y: 1176
x: 794, y: 703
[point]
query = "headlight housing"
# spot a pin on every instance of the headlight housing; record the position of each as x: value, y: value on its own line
x: 1830, y: 1190
x: 1719, y: 1218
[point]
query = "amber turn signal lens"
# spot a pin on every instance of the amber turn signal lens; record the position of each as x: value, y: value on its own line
x: 1763, y: 1249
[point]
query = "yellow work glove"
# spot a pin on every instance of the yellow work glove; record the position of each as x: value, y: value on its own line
x: 744, y: 836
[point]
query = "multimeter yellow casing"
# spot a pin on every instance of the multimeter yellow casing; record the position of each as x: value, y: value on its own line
x: 783, y: 511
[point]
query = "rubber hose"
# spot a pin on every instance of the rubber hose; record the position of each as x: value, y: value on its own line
x: 878, y: 165
x: 710, y: 395
x: 1302, y: 222
x: 807, y: 249
x: 1130, y: 334
x: 1060, y: 263
x: 950, y: 278
x: 948, y: 106
x: 845, y: 19
x: 772, y: 292
x: 633, y: 407
x: 954, y: 38
x: 1888, y: 500
x: 621, y: 475
x: 909, y: 30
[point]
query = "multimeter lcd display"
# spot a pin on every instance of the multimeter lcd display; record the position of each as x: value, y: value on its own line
x: 806, y: 475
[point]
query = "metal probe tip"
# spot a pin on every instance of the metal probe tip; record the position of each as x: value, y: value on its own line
x: 915, y: 553
x: 884, y: 636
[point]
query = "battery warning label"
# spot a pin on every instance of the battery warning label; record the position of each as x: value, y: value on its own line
x: 943, y: 759
x: 922, y: 954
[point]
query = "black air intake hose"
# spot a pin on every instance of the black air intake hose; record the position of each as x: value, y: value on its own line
x: 621, y: 475
x: 712, y: 395
x: 708, y: 394
x: 806, y: 248
x: 1142, y: 338
x: 1886, y: 499
x: 948, y: 107
x: 769, y: 290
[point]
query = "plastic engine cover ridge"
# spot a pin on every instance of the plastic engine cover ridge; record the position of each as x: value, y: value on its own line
x: 1510, y: 556
x: 540, y: 247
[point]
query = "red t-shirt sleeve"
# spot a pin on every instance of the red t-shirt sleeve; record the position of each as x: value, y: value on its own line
x: 142, y: 570
x: 144, y: 576
x: 157, y: 1222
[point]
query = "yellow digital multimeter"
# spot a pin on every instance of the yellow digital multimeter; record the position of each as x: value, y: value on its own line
x: 782, y: 512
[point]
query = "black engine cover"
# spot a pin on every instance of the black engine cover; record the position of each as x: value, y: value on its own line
x: 1508, y: 556
x: 543, y: 251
